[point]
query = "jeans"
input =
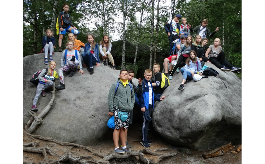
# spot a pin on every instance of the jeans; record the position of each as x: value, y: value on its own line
x: 186, y: 74
x: 145, y: 126
x: 89, y: 59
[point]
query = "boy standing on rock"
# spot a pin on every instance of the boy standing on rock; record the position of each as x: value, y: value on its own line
x: 121, y: 102
x: 147, y: 101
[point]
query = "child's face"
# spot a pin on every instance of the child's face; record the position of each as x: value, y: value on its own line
x: 182, y: 40
x: 176, y: 19
x: 123, y: 75
x: 49, y: 33
x: 204, y: 24
x: 198, y: 39
x: 148, y: 76
x: 189, y: 40
x: 106, y: 39
x: 184, y: 21
x: 52, y: 65
x: 90, y: 39
x: 70, y: 45
x: 66, y: 8
x: 192, y: 55
x: 156, y: 69
x: 204, y: 42
x: 71, y: 37
x: 130, y: 76
x: 216, y: 42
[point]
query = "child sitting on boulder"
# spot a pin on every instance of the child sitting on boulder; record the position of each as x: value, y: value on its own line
x: 48, y: 44
x: 193, y: 66
x: 147, y: 101
x: 104, y: 49
x: 121, y: 101
x: 90, y: 54
x: 46, y: 80
x: 70, y: 61
x: 79, y: 46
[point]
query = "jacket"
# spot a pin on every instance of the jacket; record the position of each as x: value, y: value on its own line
x: 78, y: 44
x: 46, y: 40
x: 169, y: 28
x: 207, y: 31
x: 123, y: 99
x: 43, y: 77
x: 108, y: 49
x: 194, y: 67
x: 96, y: 51
x: 157, y: 78
x: 64, y: 20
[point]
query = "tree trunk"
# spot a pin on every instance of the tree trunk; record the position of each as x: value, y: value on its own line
x: 152, y: 34
x: 54, y: 17
x: 124, y: 34
x: 137, y: 44
x: 157, y: 24
x: 35, y: 49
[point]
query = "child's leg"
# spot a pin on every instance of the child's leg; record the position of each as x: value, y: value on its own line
x: 60, y: 40
x: 46, y: 50
x: 180, y: 59
x: 51, y: 48
x: 123, y: 136
x: 48, y: 84
x: 166, y: 60
x: 60, y: 73
x: 40, y: 87
x: 111, y: 59
x: 215, y: 62
x: 116, y: 135
x: 145, y: 129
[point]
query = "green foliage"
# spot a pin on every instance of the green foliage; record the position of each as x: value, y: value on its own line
x: 235, y: 59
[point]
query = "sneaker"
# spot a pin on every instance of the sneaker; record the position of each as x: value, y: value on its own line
x: 148, y: 141
x: 170, y: 77
x: 234, y: 69
x: 225, y: 68
x: 60, y: 49
x: 72, y: 74
x: 43, y: 94
x: 177, y: 70
x: 181, y: 87
x: 91, y: 71
x: 128, y: 145
x: 119, y: 151
x: 51, y: 58
x: 34, y: 108
x: 144, y: 144
x: 104, y: 62
x: 126, y: 150
x: 60, y: 86
x: 46, y: 61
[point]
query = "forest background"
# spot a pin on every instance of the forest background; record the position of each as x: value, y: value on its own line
x: 136, y: 27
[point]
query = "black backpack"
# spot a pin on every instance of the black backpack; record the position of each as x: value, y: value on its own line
x: 210, y: 72
x: 34, y: 79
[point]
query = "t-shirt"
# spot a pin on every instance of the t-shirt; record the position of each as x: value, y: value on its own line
x: 175, y: 26
x: 214, y: 52
x: 202, y: 32
x: 150, y: 93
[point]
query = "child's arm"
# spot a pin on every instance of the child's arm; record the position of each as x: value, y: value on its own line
x: 100, y: 50
x: 80, y: 64
x: 41, y: 75
x: 53, y: 40
x: 62, y: 59
x: 207, y: 52
x: 96, y: 50
x: 109, y: 49
x: 111, y: 98
x: 211, y: 34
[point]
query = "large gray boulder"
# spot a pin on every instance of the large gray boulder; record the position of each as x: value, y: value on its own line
x: 204, y: 115
x: 80, y: 112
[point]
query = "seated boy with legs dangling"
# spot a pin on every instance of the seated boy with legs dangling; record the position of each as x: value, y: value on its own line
x: 121, y: 102
x: 70, y: 61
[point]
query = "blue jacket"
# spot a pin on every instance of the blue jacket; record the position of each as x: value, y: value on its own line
x: 46, y: 40
x: 169, y: 27
x: 96, y: 50
x: 195, y: 67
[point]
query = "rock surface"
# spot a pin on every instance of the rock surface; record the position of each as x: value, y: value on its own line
x: 204, y: 115
x: 80, y: 112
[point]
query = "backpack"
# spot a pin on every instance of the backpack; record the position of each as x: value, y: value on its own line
x: 65, y: 53
x: 165, y: 81
x: 57, y: 24
x: 117, y: 86
x: 210, y: 72
x: 35, y: 79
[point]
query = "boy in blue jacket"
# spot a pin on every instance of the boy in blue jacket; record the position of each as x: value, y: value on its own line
x: 147, y: 101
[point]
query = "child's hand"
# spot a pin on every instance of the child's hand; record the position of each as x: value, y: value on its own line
x: 81, y: 71
x: 162, y: 97
x: 97, y: 64
x: 61, y: 29
x: 192, y: 73
x: 143, y: 109
x: 168, y: 34
x: 217, y: 29
x: 110, y: 114
x: 200, y: 59
x: 200, y: 74
x: 74, y: 27
x: 189, y: 25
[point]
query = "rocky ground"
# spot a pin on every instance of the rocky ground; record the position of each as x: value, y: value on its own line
x: 160, y: 151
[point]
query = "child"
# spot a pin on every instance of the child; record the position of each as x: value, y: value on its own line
x: 183, y: 55
x: 202, y: 30
x: 193, y: 66
x: 156, y: 81
x: 105, y: 48
x: 70, y: 61
x: 147, y: 101
x: 217, y: 57
x: 172, y: 28
x: 121, y: 102
x: 201, y: 51
x: 65, y: 24
x: 46, y: 80
x: 90, y: 54
x: 48, y: 44
x: 184, y: 27
x: 79, y: 46
x: 197, y: 43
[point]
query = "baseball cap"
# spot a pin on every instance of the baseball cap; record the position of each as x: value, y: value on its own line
x: 182, y: 36
x: 178, y: 15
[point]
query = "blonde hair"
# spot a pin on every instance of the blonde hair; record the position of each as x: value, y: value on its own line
x: 218, y: 40
x: 69, y: 35
x: 49, y: 30
x: 69, y: 42
x: 147, y: 71
x: 205, y: 21
x: 183, y: 18
x: 49, y: 69
x: 157, y: 65
x: 195, y: 43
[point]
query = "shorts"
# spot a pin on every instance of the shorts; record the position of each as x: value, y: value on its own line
x: 170, y: 58
x: 119, y: 123
x: 64, y: 30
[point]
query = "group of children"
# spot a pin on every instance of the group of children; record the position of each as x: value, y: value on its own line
x: 124, y: 96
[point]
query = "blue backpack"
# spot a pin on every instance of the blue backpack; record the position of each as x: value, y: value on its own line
x: 65, y: 53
